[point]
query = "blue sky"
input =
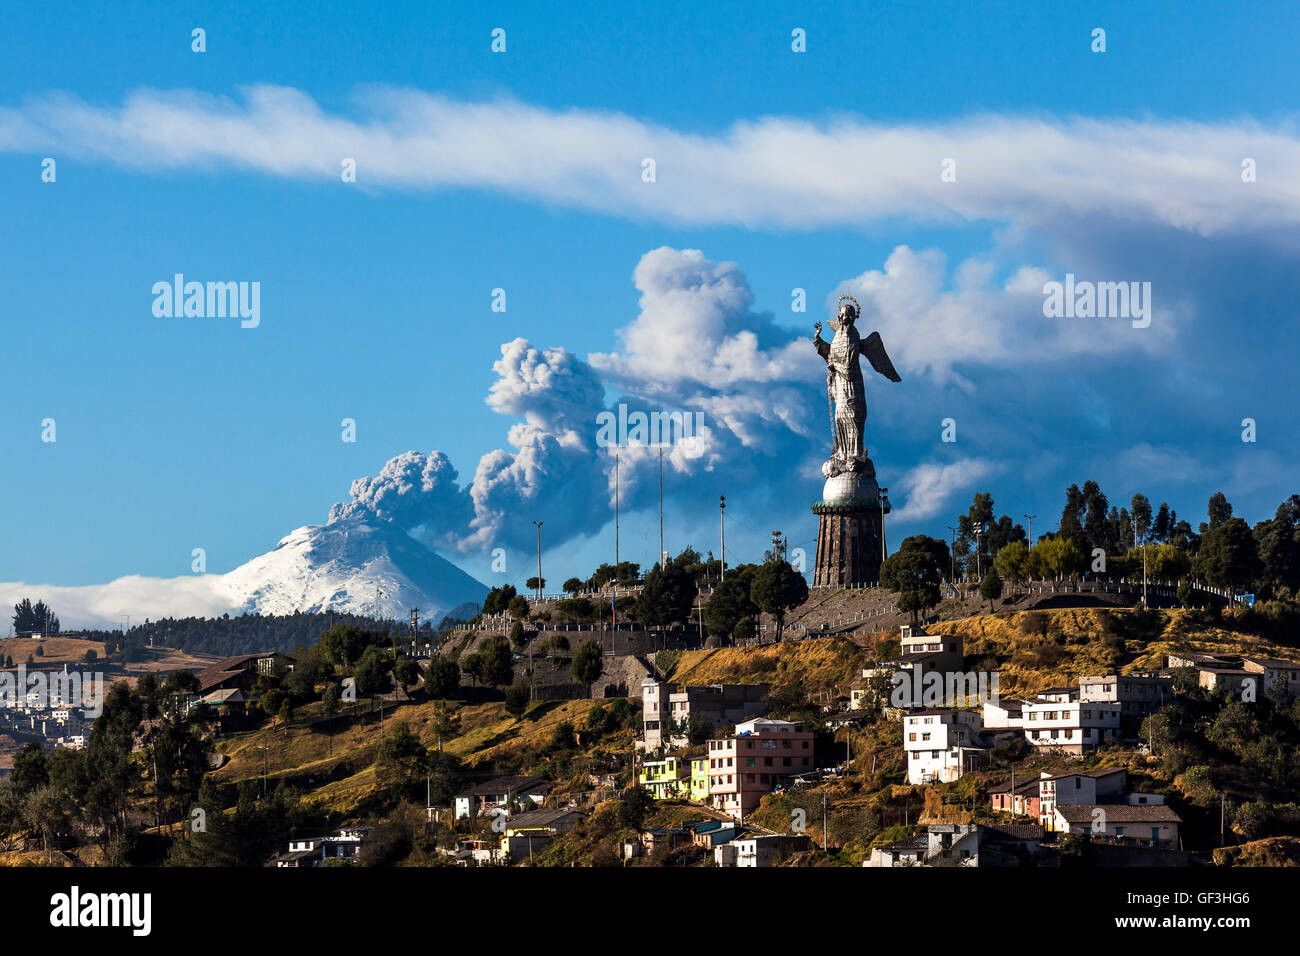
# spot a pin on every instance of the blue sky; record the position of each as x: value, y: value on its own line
x: 174, y: 434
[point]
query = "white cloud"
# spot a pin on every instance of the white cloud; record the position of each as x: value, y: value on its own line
x: 928, y: 327
x: 105, y: 605
x: 929, y: 487
x: 777, y: 171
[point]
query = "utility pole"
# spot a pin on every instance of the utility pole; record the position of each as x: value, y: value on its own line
x: 884, y: 506
x: 823, y: 822
x: 722, y: 523
x: 1030, y: 519
x: 952, y: 557
x: 1143, y: 546
x: 662, y: 557
x: 538, y: 595
x: 613, y: 604
x: 415, y: 631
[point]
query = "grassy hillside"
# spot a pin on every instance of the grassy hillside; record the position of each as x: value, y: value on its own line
x: 1031, y: 650
x: 821, y: 664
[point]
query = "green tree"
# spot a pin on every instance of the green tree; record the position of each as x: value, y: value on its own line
x: 1228, y: 556
x: 472, y: 666
x: 401, y: 761
x: 30, y: 771
x: 35, y: 618
x: 1278, y: 541
x: 498, y: 599
x: 372, y: 671
x: 573, y: 585
x: 730, y: 602
x: 445, y: 723
x: 634, y: 806
x: 343, y: 644
x: 668, y: 595
x: 518, y: 607
x: 698, y: 729
x: 407, y: 674
x: 517, y: 699
x: 48, y: 812
x: 498, y: 662
x: 1056, y: 558
x: 777, y: 587
x: 1140, y: 508
x: 1012, y: 562
x: 991, y: 587
x: 441, y: 677
x: 588, y: 662
x: 272, y: 700
x: 1219, y: 510
x: 600, y: 721
x: 518, y: 636
x: 914, y: 573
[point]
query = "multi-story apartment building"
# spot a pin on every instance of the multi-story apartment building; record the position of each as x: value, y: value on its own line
x: 1138, y: 695
x: 1242, y: 676
x: 921, y: 655
x: 1059, y: 719
x: 700, y: 778
x: 749, y: 763
x: 1073, y: 789
x: 665, y: 779
x: 722, y: 704
x: 942, y: 744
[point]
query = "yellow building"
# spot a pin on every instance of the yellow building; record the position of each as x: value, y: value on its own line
x: 700, y: 779
x: 665, y: 779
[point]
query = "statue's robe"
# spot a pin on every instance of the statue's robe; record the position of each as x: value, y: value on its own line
x: 847, y: 392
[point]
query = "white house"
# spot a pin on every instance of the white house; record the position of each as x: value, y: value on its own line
x: 1075, y: 789
x: 758, y: 850
x: 1151, y: 825
x: 1059, y: 719
x: 941, y: 744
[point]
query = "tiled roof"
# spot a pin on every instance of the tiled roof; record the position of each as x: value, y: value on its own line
x: 1120, y: 813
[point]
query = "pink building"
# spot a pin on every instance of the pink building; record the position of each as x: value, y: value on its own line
x: 748, y: 764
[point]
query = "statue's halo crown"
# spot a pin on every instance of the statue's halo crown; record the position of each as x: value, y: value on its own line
x: 857, y: 310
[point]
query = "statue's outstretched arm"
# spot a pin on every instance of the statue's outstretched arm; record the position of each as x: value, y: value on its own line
x: 823, y: 347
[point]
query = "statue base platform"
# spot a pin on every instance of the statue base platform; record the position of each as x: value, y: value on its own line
x: 850, y: 531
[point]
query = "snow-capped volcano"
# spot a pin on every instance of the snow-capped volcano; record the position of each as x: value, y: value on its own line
x: 338, y: 566
x: 335, y: 566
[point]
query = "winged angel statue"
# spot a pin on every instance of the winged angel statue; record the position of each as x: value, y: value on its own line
x: 845, y: 391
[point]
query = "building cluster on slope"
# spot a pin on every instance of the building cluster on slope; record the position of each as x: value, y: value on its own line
x: 47, y: 718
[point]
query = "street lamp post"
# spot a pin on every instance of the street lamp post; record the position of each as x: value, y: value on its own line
x: 539, y: 560
x: 952, y: 557
x: 722, y: 524
x: 884, y: 507
x: 1030, y: 519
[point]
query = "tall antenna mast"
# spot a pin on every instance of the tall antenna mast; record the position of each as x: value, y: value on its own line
x: 613, y: 604
x: 722, y: 525
x: 662, y: 562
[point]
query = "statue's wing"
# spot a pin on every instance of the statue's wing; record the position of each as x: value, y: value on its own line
x: 879, y: 359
